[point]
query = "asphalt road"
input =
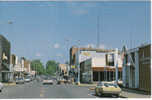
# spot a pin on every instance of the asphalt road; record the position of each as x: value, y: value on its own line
x: 38, y: 90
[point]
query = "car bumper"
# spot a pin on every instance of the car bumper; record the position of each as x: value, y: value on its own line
x: 47, y: 83
x: 111, y: 92
x: 19, y: 82
x: 27, y: 80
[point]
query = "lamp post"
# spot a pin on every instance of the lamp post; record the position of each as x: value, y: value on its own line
x: 116, y: 64
x: 67, y: 41
x: 78, y: 62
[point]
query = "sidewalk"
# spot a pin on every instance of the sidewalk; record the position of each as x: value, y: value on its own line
x: 134, y: 94
x: 9, y: 84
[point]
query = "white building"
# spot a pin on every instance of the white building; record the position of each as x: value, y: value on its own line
x: 99, y: 62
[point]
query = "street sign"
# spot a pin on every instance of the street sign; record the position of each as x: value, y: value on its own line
x: 73, y: 66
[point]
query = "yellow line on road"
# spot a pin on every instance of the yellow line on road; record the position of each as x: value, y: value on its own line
x: 42, y: 92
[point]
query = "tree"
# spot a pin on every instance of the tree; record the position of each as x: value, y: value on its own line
x: 51, y: 67
x: 37, y: 65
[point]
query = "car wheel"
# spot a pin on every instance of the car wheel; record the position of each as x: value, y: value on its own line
x: 117, y: 95
x: 0, y: 90
x: 98, y: 94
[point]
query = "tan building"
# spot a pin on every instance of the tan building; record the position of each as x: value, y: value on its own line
x: 137, y: 68
x: 63, y: 68
x: 27, y: 66
x: 145, y: 68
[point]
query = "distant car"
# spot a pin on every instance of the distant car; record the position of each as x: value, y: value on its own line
x: 1, y: 86
x: 107, y: 88
x: 47, y: 81
x: 19, y: 80
x: 27, y: 79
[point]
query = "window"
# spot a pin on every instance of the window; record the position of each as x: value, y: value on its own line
x: 143, y: 54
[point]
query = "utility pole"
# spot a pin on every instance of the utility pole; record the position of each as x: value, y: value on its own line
x: 98, y: 41
x: 78, y: 62
x: 67, y: 40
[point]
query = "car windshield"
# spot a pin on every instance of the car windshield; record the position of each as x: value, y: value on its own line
x: 27, y: 77
x: 19, y: 79
x: 46, y: 78
x: 100, y: 84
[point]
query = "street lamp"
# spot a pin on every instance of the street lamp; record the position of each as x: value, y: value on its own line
x: 78, y: 62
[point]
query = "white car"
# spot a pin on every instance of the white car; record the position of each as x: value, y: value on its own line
x: 47, y: 81
x: 27, y: 79
x: 1, y: 86
x: 107, y: 88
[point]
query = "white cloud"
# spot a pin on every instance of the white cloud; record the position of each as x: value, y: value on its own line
x: 38, y: 55
x: 56, y: 45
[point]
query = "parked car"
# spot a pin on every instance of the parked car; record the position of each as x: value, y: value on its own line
x: 47, y: 81
x: 32, y: 78
x: 68, y: 81
x: 19, y: 80
x: 27, y: 79
x: 107, y: 88
x: 1, y: 87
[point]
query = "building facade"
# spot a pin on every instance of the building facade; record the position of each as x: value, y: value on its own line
x: 136, y: 68
x: 22, y: 67
x: 5, y: 47
x: 27, y: 66
x: 79, y: 58
x: 63, y: 71
x: 96, y: 69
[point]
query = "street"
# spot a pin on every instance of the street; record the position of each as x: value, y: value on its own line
x: 38, y: 90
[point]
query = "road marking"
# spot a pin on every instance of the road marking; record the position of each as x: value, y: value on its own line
x: 42, y: 92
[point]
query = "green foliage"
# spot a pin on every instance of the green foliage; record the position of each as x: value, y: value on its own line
x: 38, y: 66
x: 51, y: 67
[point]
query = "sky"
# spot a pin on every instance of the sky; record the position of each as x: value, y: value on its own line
x: 47, y: 30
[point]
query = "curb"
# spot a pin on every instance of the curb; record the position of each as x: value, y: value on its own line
x: 92, y: 88
x: 83, y: 85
